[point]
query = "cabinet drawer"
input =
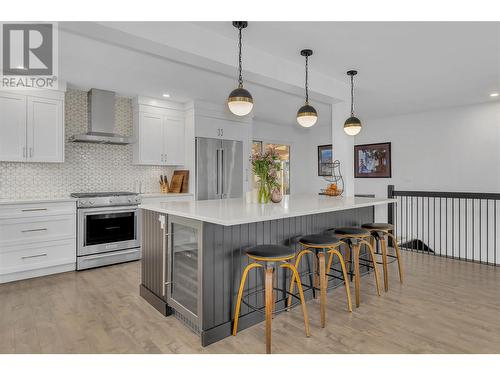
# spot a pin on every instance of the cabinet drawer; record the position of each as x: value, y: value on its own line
x: 35, y: 256
x: 11, y: 211
x: 29, y: 230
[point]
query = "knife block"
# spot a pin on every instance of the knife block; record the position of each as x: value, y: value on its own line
x: 164, y: 188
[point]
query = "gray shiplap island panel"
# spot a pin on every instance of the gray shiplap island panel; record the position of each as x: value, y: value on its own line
x: 224, y: 259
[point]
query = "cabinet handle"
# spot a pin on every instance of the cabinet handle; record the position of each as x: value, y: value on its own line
x: 222, y: 132
x: 34, y: 230
x: 34, y: 209
x: 31, y: 152
x: 24, y: 152
x: 34, y: 256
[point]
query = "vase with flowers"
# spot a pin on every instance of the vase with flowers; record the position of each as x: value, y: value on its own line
x: 266, y: 167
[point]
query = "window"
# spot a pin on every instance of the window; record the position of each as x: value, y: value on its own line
x: 284, y: 155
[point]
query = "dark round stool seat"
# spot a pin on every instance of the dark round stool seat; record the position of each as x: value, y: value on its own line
x: 270, y: 252
x: 319, y: 240
x: 351, y: 231
x: 378, y: 226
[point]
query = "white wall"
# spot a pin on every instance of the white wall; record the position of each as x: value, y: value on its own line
x: 453, y: 149
x: 303, y: 152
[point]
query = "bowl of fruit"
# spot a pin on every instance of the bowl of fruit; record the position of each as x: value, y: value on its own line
x: 332, y: 190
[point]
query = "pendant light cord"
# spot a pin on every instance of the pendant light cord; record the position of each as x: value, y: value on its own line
x: 307, y: 79
x: 240, y: 78
x: 352, y: 96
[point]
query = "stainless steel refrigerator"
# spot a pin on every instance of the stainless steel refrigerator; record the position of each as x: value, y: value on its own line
x: 219, y: 168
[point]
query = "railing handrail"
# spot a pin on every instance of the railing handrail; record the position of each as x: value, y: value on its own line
x: 445, y: 194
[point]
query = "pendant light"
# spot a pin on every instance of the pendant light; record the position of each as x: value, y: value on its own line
x: 307, y: 115
x: 352, y: 125
x: 240, y: 101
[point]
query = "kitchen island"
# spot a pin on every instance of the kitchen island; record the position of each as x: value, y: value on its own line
x: 194, y: 252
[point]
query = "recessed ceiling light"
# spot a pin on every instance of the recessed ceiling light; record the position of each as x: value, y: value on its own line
x: 166, y: 95
x: 494, y: 94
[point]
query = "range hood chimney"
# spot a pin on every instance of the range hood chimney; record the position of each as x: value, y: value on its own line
x: 101, y: 120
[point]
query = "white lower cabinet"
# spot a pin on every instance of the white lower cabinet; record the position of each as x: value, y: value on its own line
x: 37, y: 239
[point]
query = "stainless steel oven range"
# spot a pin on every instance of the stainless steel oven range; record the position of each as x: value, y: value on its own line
x: 108, y: 228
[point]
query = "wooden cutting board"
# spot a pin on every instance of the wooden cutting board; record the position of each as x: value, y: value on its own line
x: 176, y: 183
x: 185, y: 180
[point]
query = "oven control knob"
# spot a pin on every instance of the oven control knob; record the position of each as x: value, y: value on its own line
x: 83, y: 203
x: 110, y: 200
x: 91, y: 203
x: 130, y: 200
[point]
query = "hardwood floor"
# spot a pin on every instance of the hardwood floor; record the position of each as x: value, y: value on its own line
x: 445, y: 306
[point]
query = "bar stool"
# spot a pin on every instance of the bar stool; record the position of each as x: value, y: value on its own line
x: 379, y: 232
x: 270, y: 255
x: 319, y: 245
x: 354, y: 237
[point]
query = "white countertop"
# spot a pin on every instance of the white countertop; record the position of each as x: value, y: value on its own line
x: 238, y: 211
x: 165, y: 195
x: 28, y: 200
x: 67, y: 198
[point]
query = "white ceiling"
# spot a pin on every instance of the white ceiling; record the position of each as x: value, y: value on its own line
x: 85, y: 63
x: 404, y: 67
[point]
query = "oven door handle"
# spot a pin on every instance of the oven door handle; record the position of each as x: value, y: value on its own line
x: 103, y: 210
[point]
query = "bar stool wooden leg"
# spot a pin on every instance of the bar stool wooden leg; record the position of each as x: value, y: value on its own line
x: 398, y: 255
x: 344, y: 274
x: 373, y: 243
x: 240, y: 294
x: 374, y: 262
x: 322, y: 287
x: 316, y: 278
x: 269, y: 306
x: 383, y: 246
x: 348, y: 258
x: 297, y: 264
x: 355, y: 255
x: 301, y: 295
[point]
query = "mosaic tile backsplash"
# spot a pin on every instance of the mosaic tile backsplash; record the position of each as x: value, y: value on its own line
x: 87, y: 167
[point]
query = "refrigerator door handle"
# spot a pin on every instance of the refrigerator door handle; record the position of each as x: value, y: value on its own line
x: 217, y: 171
x: 222, y: 173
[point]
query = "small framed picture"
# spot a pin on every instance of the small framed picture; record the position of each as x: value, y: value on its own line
x: 325, y: 159
x: 372, y: 160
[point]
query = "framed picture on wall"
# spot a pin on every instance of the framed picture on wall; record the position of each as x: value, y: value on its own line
x: 325, y: 159
x: 372, y: 160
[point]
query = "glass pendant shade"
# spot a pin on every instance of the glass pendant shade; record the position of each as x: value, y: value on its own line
x: 307, y: 116
x: 352, y: 126
x: 240, y: 102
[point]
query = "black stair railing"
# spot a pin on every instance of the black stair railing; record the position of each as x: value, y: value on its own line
x: 457, y: 225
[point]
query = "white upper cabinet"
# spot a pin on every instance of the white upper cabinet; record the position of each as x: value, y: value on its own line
x: 149, y: 139
x: 173, y: 140
x: 159, y: 133
x: 45, y: 130
x: 12, y: 127
x: 32, y: 127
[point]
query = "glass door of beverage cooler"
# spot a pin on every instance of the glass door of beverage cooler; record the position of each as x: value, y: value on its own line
x: 184, y: 260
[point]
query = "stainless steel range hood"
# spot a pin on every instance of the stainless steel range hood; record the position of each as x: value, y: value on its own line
x: 101, y: 120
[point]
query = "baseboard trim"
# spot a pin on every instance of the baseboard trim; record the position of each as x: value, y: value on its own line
x: 22, y: 275
x: 155, y: 301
